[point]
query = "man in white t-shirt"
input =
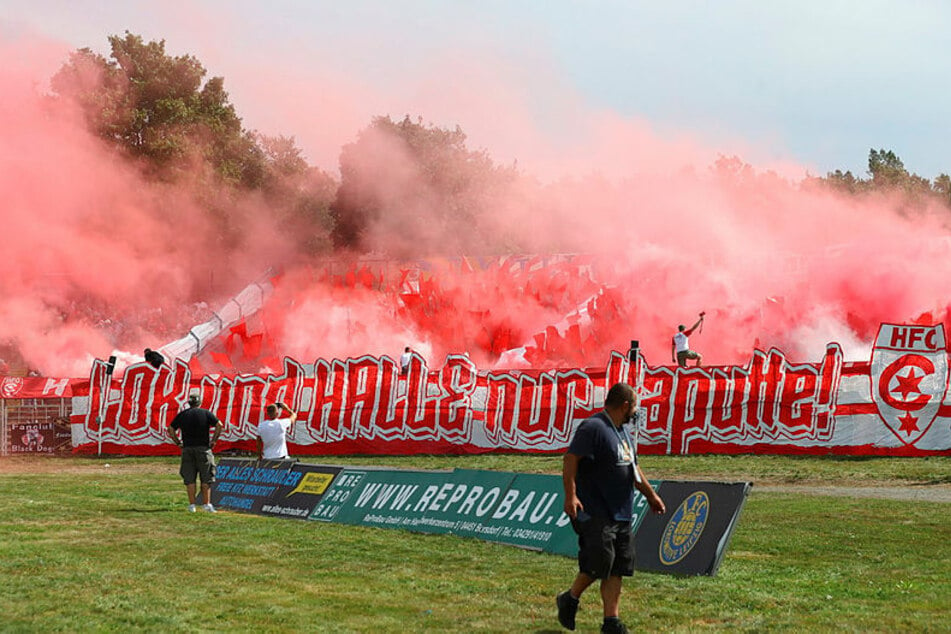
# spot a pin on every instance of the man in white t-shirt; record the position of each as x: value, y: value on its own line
x: 272, y: 432
x: 405, y: 359
x: 680, y: 346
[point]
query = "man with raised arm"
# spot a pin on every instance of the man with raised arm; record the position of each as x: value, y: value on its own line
x: 680, y: 345
x: 272, y: 432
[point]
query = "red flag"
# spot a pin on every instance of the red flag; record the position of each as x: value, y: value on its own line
x: 240, y: 329
x: 411, y: 301
x: 222, y: 359
x: 365, y: 277
x: 274, y: 363
x: 195, y: 366
x: 573, y: 338
x: 252, y: 346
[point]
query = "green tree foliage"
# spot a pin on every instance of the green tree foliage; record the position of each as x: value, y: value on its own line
x: 886, y: 169
x: 301, y: 194
x: 887, y: 174
x: 407, y: 187
x: 159, y: 110
x: 942, y: 187
x: 155, y: 106
x: 844, y: 182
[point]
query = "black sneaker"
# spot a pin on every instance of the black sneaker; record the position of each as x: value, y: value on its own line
x: 567, y: 608
x: 614, y: 626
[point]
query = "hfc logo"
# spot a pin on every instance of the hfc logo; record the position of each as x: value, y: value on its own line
x: 11, y: 386
x: 909, y: 378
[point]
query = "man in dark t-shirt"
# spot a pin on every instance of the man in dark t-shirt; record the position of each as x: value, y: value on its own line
x: 198, y: 460
x: 600, y: 473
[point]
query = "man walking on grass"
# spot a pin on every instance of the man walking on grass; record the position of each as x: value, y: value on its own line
x: 198, y: 461
x: 600, y: 473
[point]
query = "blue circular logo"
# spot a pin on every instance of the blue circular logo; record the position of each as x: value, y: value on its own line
x: 684, y: 528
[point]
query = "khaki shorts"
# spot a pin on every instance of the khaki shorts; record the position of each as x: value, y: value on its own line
x: 197, y: 462
x: 683, y: 355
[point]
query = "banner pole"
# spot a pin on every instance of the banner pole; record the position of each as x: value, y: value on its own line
x: 104, y: 388
x: 102, y: 397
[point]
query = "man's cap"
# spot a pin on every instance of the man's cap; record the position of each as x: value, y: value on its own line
x: 194, y: 400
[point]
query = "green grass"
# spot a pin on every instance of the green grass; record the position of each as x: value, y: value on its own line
x: 89, y: 548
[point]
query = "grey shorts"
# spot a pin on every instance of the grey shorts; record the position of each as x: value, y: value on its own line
x: 605, y: 547
x: 197, y: 462
x: 683, y: 355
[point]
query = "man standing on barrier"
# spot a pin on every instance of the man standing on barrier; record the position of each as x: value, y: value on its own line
x: 680, y: 344
x: 600, y: 473
x: 272, y: 432
x: 198, y: 461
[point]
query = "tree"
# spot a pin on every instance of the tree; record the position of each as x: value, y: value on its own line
x: 155, y: 107
x: 300, y: 194
x: 887, y: 175
x: 844, y: 182
x: 407, y: 187
x: 886, y: 169
x: 732, y: 169
x: 942, y: 187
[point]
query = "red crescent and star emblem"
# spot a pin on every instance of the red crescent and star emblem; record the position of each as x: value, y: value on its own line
x: 909, y: 372
x: 893, y: 382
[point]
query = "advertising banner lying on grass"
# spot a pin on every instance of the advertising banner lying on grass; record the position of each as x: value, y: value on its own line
x: 894, y: 404
x: 517, y: 509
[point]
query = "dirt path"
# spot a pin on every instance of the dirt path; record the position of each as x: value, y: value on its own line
x: 913, y: 493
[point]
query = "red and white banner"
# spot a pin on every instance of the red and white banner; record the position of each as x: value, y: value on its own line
x: 35, y: 387
x: 892, y: 405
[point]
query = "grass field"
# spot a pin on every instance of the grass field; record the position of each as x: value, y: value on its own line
x: 86, y: 547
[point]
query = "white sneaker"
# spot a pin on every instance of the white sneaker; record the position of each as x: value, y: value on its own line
x: 192, y: 508
x: 209, y: 508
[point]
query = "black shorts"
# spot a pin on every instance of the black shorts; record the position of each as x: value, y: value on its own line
x: 605, y: 547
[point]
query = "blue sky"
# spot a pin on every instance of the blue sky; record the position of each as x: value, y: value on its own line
x: 815, y: 83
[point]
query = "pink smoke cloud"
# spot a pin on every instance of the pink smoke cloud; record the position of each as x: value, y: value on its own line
x: 95, y: 254
x: 772, y: 262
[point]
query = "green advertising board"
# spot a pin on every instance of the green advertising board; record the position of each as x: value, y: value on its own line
x: 518, y: 509
x: 525, y: 510
x: 390, y: 499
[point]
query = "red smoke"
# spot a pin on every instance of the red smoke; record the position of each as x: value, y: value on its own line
x: 773, y: 262
x: 96, y: 258
x: 659, y: 230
